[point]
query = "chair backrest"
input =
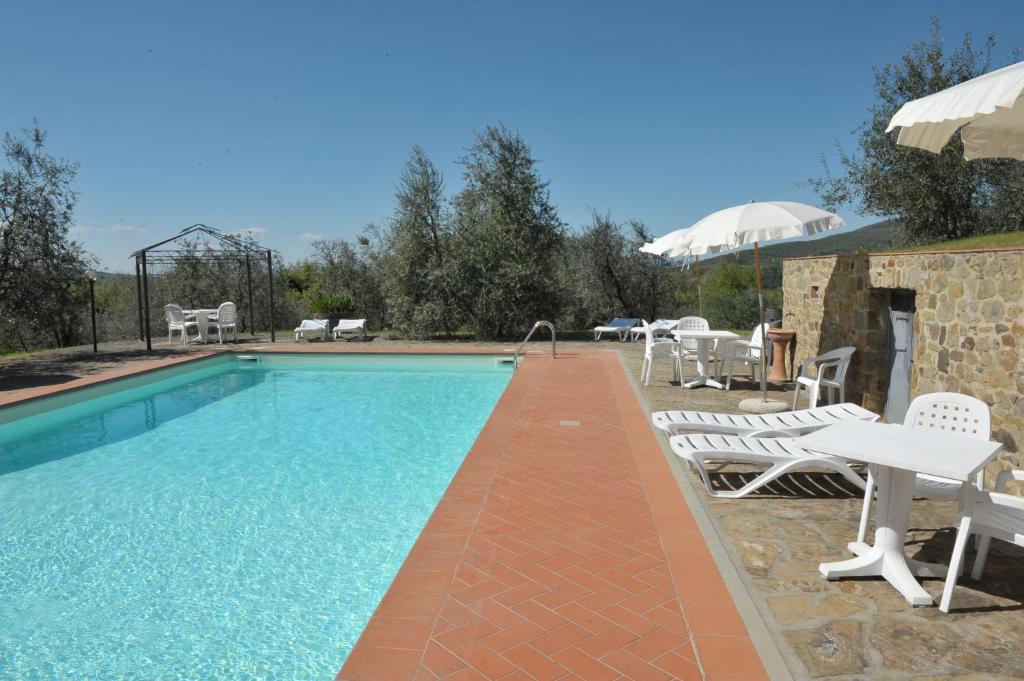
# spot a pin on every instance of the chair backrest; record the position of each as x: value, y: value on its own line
x: 174, y: 314
x: 843, y: 357
x: 226, y: 313
x: 648, y: 337
x: 951, y: 412
x: 691, y: 324
x: 622, y: 321
x: 755, y: 339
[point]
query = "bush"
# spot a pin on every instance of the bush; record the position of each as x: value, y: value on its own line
x: 335, y: 306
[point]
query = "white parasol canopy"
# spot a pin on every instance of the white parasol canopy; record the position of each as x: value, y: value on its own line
x: 988, y: 110
x: 747, y: 224
x: 663, y: 244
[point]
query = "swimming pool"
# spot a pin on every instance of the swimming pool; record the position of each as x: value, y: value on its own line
x: 232, y: 519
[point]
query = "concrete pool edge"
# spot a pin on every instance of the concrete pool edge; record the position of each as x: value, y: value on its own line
x: 23, y: 396
x: 444, y: 615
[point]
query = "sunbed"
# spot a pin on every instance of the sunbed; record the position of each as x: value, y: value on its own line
x: 313, y: 327
x: 785, y: 424
x: 619, y: 325
x: 780, y: 454
x: 350, y: 325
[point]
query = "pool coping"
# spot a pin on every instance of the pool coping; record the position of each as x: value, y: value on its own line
x: 26, y: 395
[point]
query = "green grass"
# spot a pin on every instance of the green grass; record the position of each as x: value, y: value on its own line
x: 1005, y: 240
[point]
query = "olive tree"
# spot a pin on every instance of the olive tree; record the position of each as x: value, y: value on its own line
x: 933, y: 196
x: 41, y: 267
x: 418, y: 242
x: 506, y: 234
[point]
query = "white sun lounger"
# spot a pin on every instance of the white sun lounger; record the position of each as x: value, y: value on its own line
x: 785, y: 424
x: 349, y: 325
x: 781, y: 455
x: 314, y: 327
x: 619, y: 325
x: 660, y: 327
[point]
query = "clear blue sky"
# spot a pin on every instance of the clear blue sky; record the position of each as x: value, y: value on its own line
x: 294, y: 119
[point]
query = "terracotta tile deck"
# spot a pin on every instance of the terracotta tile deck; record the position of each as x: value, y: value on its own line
x: 561, y: 550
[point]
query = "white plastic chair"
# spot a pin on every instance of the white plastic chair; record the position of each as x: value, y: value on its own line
x: 316, y: 327
x: 659, y: 349
x: 746, y: 352
x: 689, y: 345
x: 949, y: 412
x: 784, y: 424
x: 829, y: 372
x: 176, y: 321
x: 225, y: 318
x: 992, y: 515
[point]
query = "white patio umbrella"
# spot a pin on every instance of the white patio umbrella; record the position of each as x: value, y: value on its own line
x: 662, y: 245
x: 751, y: 223
x: 987, y: 110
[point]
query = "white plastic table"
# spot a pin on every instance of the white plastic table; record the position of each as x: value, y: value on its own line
x: 202, y: 319
x: 899, y: 453
x: 705, y: 342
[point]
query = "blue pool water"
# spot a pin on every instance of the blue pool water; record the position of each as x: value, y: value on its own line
x: 237, y: 521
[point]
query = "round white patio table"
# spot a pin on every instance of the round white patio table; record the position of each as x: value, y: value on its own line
x: 705, y: 344
x: 202, y: 319
x: 899, y: 453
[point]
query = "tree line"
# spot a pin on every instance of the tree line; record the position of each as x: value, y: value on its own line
x: 494, y: 256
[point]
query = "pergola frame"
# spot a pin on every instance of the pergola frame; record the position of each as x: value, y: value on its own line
x: 232, y: 249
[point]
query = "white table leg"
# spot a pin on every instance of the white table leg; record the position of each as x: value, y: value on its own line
x: 886, y: 558
x: 703, y: 359
x: 201, y: 322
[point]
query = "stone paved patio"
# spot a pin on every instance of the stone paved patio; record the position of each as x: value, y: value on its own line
x: 855, y: 629
x: 852, y: 629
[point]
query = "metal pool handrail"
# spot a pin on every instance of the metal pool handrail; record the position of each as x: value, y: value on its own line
x: 536, y: 325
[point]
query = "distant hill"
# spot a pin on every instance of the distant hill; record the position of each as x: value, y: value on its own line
x: 107, y: 276
x: 876, y: 237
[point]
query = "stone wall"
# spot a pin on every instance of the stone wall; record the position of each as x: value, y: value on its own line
x: 968, y: 325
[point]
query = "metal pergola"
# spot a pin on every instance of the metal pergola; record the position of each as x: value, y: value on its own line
x: 228, y: 248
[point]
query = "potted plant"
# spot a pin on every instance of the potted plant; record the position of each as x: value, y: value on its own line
x: 332, y: 307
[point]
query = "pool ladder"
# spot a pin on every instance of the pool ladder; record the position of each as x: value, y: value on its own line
x: 536, y: 325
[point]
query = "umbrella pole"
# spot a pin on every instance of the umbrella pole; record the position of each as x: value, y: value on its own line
x: 760, y: 315
x: 700, y: 298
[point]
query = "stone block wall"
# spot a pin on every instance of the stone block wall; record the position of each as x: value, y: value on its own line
x: 968, y: 325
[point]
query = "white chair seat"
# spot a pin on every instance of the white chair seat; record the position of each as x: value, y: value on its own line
x: 935, y: 487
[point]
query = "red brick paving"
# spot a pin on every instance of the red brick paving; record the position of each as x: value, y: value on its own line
x: 559, y: 552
